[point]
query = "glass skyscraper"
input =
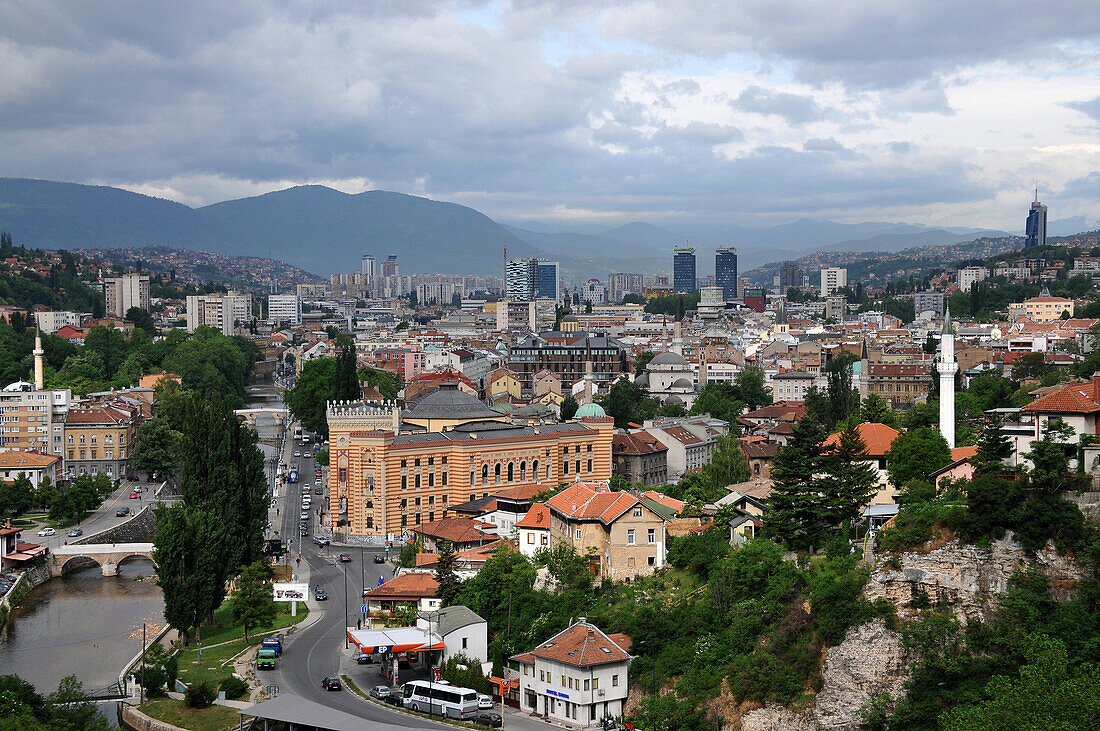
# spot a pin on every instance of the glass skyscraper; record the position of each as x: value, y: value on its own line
x: 683, y: 270
x: 548, y: 280
x: 1036, y: 227
x: 725, y: 272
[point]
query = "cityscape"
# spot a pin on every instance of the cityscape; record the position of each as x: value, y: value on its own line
x: 531, y: 365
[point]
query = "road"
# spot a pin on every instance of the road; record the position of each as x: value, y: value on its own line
x: 314, y: 653
x: 102, y: 518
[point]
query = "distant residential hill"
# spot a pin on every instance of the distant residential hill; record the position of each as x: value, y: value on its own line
x: 312, y: 227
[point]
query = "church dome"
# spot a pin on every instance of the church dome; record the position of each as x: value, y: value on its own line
x: 683, y: 383
x: 589, y: 409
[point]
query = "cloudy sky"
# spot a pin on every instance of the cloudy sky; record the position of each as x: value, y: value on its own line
x: 944, y: 112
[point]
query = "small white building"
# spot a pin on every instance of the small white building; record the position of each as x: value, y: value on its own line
x: 534, y: 530
x: 463, y: 632
x: 576, y: 678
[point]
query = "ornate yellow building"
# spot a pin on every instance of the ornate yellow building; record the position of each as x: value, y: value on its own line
x: 382, y: 482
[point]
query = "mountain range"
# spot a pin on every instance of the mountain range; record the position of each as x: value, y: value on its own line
x: 325, y: 231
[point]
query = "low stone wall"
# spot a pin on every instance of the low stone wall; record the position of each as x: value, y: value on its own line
x: 137, y: 529
x: 1088, y: 501
x: 129, y: 717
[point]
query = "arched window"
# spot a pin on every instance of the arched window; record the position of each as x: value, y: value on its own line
x: 511, y: 472
x: 548, y: 472
x: 496, y: 474
x: 370, y: 505
x: 523, y: 471
x: 484, y: 474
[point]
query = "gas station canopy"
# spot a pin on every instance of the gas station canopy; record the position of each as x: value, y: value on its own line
x: 394, y: 639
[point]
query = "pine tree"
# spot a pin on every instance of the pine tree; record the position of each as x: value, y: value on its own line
x: 449, y: 585
x: 852, y: 481
x: 794, y: 508
x: 346, y: 386
x: 993, y: 447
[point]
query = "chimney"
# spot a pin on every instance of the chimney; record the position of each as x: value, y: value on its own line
x: 1096, y: 386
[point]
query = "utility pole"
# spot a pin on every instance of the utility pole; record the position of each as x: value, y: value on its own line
x: 345, y: 605
x: 141, y: 684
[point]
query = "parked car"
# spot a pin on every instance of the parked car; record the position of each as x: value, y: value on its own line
x: 331, y: 683
x: 75, y: 532
x: 47, y: 532
x: 379, y: 558
x: 364, y: 658
x: 379, y: 691
x: 484, y: 702
x: 345, y: 557
x: 489, y: 718
x: 320, y: 594
x: 394, y: 699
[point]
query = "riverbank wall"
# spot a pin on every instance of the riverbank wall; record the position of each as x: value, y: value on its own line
x: 36, y: 575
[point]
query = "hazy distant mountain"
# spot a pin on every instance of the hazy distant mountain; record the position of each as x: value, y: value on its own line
x: 900, y: 241
x: 313, y: 227
x: 643, y: 234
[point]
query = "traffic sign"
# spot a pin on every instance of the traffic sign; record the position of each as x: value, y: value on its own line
x: 363, y: 608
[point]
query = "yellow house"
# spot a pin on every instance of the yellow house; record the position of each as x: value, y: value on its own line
x: 502, y: 381
x: 1041, y: 309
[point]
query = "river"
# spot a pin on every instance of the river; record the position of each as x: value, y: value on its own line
x: 83, y: 624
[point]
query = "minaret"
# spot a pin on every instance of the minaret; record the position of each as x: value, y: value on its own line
x: 39, y: 370
x: 947, y: 368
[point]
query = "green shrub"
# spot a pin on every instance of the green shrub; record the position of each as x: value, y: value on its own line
x: 201, y: 695
x: 234, y: 687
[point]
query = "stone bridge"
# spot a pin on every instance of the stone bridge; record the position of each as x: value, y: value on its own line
x: 268, y: 416
x: 107, y: 555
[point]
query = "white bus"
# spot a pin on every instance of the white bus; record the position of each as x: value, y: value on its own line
x: 440, y: 698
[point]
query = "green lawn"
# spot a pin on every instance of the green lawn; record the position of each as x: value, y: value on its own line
x: 214, y: 718
x: 223, y: 628
x: 214, y: 666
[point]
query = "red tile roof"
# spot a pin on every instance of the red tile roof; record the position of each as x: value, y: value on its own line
x: 1076, y: 398
x: 963, y: 453
x: 877, y: 437
x: 455, y: 530
x: 669, y: 502
x: 584, y: 501
x: 581, y: 645
x: 406, y: 586
x: 636, y: 443
x: 682, y: 435
x: 537, y: 517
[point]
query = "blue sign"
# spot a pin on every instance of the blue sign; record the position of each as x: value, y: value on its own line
x: 363, y: 608
x: 383, y: 649
x: 557, y: 694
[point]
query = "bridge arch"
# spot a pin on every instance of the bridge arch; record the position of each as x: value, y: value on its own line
x: 107, y: 555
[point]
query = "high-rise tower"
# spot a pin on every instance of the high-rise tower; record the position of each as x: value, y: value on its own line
x: 683, y: 269
x: 1036, y: 227
x: 725, y: 272
x: 947, y: 368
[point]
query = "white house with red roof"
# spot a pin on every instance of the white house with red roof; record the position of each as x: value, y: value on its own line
x: 1076, y: 404
x: 576, y: 678
x: 533, y: 530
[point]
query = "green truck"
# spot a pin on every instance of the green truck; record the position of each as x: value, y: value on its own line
x: 265, y: 659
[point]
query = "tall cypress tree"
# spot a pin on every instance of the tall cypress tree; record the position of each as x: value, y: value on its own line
x: 346, y: 386
x: 794, y: 508
x: 449, y: 585
x: 993, y: 448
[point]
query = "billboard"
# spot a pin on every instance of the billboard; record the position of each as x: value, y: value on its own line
x: 286, y: 592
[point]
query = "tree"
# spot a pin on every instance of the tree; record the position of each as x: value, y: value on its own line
x: 568, y: 408
x: 876, y: 410
x: 1048, y: 693
x: 915, y: 454
x: 141, y: 319
x: 843, y: 399
x: 628, y: 402
x: 720, y: 399
x: 1049, y: 457
x: 17, y: 496
x: 385, y: 382
x: 449, y: 585
x: 794, y: 514
x: 994, y: 448
x: 750, y: 385
x: 854, y: 481
x: 253, y: 604
x: 1030, y: 365
x: 728, y: 465
x: 642, y: 360
x: 309, y: 398
x: 157, y: 448
x: 345, y: 385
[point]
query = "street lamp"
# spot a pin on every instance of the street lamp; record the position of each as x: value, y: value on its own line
x: 345, y: 605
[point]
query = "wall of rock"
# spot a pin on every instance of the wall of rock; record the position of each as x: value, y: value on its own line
x: 965, y: 577
x: 868, y: 663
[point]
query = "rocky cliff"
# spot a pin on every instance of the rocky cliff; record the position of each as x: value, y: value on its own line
x: 965, y: 578
x: 871, y: 661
